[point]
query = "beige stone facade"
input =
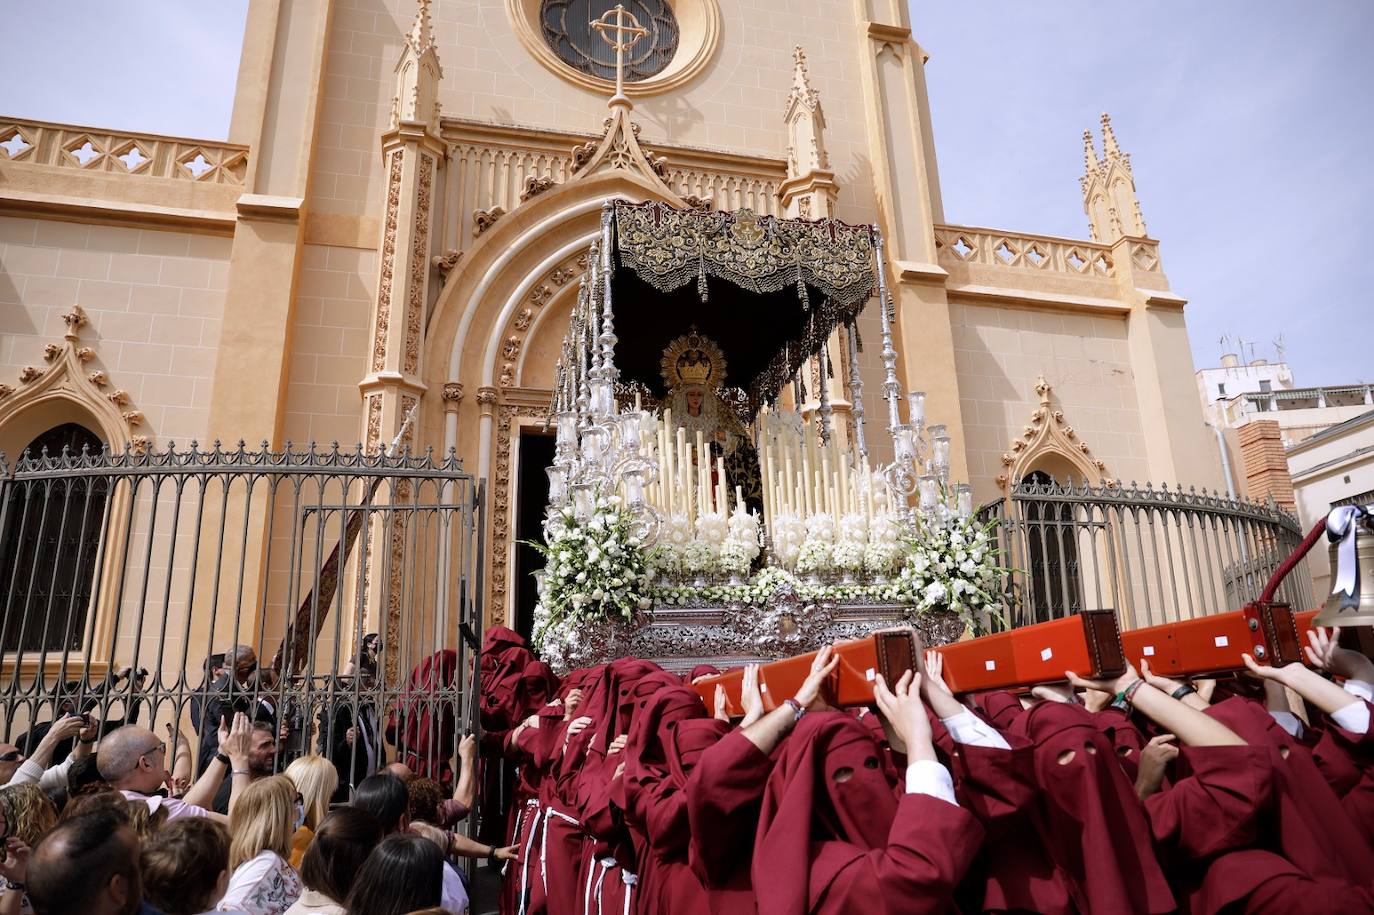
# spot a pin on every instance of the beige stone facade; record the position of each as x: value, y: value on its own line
x: 398, y: 215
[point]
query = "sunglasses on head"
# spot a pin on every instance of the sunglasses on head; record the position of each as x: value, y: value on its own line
x: 11, y: 756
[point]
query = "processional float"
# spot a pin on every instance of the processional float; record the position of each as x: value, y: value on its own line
x: 695, y: 415
x: 1089, y: 643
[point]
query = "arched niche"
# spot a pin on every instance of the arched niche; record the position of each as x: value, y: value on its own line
x: 527, y: 261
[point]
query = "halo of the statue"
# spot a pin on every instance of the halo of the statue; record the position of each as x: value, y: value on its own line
x: 769, y: 291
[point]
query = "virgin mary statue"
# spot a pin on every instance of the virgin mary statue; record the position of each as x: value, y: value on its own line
x: 693, y: 369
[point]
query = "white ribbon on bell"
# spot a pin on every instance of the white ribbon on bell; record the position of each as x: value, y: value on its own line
x: 1342, y: 525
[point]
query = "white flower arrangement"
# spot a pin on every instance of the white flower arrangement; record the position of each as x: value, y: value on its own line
x: 741, y: 546
x: 594, y: 570
x: 814, y: 557
x: 848, y: 554
x: 952, y: 564
x: 884, y: 552
x: 789, y: 533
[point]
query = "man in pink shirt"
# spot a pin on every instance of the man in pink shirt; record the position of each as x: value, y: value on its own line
x: 133, y: 760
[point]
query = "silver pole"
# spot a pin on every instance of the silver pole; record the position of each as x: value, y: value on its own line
x: 856, y: 390
x: 892, y: 390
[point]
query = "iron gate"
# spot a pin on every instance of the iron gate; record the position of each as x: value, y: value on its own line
x: 1153, y: 555
x: 156, y: 562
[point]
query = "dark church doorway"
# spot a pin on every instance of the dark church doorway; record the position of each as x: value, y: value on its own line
x: 49, y: 547
x: 1052, y: 547
x: 531, y: 496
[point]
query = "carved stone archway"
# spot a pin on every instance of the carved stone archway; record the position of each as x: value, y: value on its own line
x: 1049, y: 439
x: 510, y: 289
x: 66, y: 390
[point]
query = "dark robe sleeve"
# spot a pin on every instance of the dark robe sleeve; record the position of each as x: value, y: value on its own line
x: 723, y: 798
x: 929, y: 847
x: 1217, y: 807
x: 993, y: 784
x: 595, y: 796
x: 1347, y: 761
x: 666, y: 822
x: 1262, y: 883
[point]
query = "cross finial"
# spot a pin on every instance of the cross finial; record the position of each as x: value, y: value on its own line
x: 621, y: 30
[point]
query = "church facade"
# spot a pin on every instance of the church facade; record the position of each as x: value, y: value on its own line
x: 406, y: 199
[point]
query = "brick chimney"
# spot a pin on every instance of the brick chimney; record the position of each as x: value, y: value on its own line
x: 1265, y: 464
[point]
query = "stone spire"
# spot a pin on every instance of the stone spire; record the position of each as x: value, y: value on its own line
x: 417, y: 75
x: 1108, y: 186
x: 1109, y: 148
x: 810, y: 190
x: 1089, y: 153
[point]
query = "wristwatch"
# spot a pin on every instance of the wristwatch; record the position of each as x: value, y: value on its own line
x: 222, y: 757
x: 11, y: 885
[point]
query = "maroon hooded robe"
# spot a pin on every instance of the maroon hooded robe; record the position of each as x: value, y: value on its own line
x: 423, y: 725
x: 667, y: 738
x: 1089, y: 817
x: 834, y: 837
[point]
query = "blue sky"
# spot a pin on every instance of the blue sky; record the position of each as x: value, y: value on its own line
x: 1249, y: 126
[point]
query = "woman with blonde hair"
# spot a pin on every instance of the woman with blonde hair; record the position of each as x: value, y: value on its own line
x: 260, y: 827
x: 315, y: 779
x: 27, y: 814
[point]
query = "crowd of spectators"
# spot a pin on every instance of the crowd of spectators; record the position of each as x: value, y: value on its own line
x: 106, y: 816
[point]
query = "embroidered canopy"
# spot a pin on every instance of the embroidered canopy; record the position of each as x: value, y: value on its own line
x: 769, y: 291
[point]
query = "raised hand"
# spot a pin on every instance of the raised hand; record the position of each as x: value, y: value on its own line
x: 467, y: 748
x: 15, y: 865
x: 809, y: 695
x: 721, y: 701
x: 1155, y: 757
x: 1163, y: 684
x: 570, y: 704
x: 237, y: 741
x: 750, y: 697
x: 1325, y: 653
x: 1111, y: 686
x: 575, y: 727
x: 902, y: 708
x: 67, y: 727
x: 1269, y: 672
x: 934, y: 678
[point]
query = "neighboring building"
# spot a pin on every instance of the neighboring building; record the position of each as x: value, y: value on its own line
x: 1333, y: 467
x: 398, y: 214
x: 1219, y: 387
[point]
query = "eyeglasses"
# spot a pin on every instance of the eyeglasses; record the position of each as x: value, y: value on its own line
x: 160, y: 750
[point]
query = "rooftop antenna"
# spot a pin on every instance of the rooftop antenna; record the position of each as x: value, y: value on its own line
x: 1278, y: 348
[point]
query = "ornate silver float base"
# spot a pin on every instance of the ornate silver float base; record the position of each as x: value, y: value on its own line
x: 678, y: 637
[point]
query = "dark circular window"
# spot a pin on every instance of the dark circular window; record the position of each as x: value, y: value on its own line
x: 567, y: 29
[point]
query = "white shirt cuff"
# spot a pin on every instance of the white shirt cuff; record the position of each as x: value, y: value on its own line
x: 926, y: 776
x: 28, y: 771
x: 968, y: 728
x: 1359, y: 688
x: 1353, y: 717
x: 1288, y: 721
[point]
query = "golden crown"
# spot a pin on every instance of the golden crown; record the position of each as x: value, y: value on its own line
x: 693, y: 359
x: 694, y: 367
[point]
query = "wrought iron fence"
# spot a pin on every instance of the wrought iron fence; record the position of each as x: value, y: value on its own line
x: 1152, y: 555
x: 154, y: 563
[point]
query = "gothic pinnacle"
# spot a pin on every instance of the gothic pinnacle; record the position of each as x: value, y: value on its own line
x: 1109, y: 148
x: 1089, y: 152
